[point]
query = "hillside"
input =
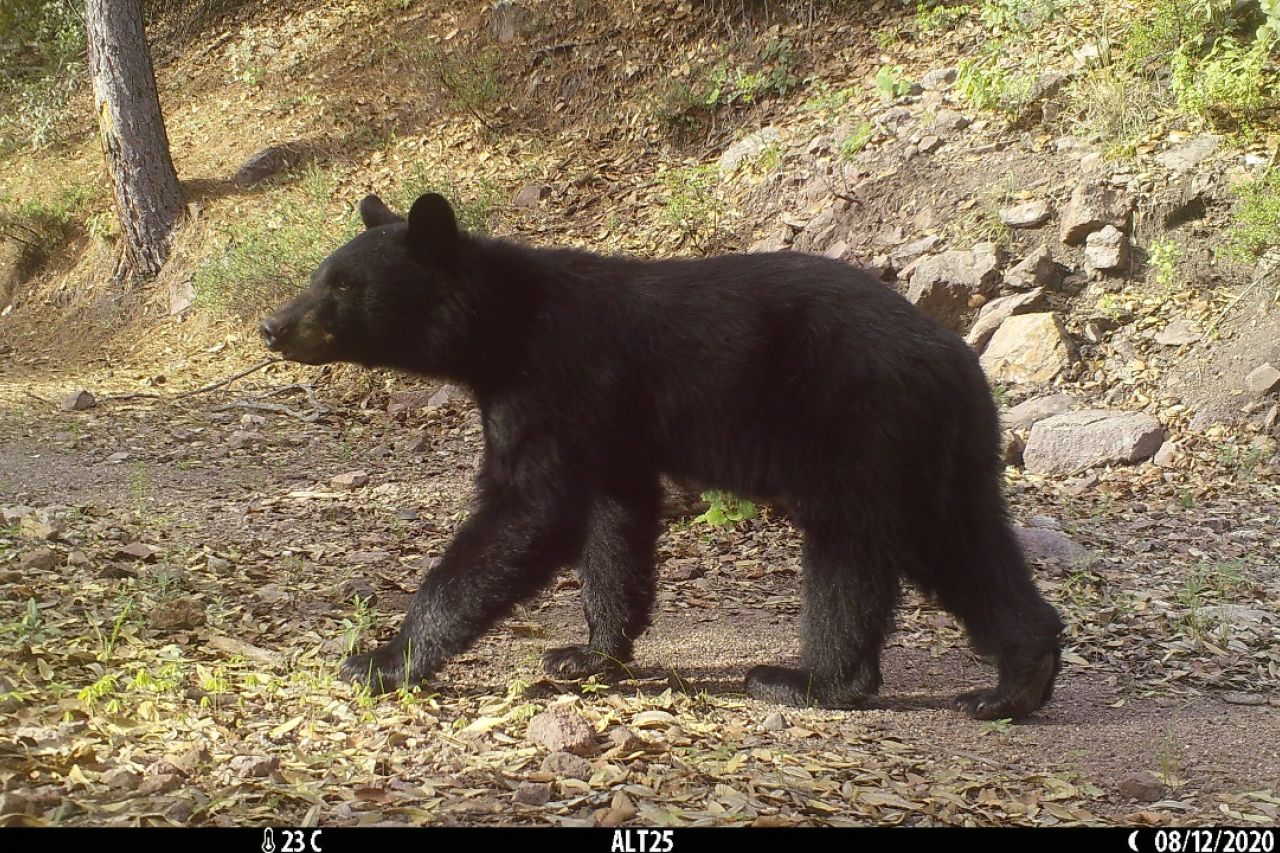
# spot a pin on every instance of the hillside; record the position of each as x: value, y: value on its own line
x: 1088, y: 192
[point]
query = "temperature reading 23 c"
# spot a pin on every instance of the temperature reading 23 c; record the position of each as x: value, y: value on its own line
x: 292, y: 841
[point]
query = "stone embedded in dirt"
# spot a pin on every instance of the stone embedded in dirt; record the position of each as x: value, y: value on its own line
x: 38, y: 560
x: 1141, y: 787
x: 1092, y: 207
x: 776, y: 241
x: 1235, y: 697
x: 928, y: 143
x: 1031, y: 214
x: 254, y: 766
x: 350, y: 480
x: 1190, y: 154
x: 749, y: 148
x: 14, y: 514
x: 136, y: 551
x: 357, y: 588
x: 1178, y: 333
x: 624, y: 741
x: 41, y: 526
x: 620, y: 810
x: 506, y: 20
x: 116, y: 571
x: 908, y: 252
x: 1027, y: 349
x: 1028, y: 412
x: 1074, y: 441
x: 530, y: 195
x: 249, y: 419
x: 1052, y: 547
x: 566, y: 765
x: 1011, y: 447
x: 775, y: 722
x: 271, y: 593
x: 1167, y: 456
x: 162, y: 783
x: 949, y: 121
x: 442, y: 397
x: 177, y: 614
x: 122, y: 779
x: 216, y: 564
x: 837, y: 250
x: 403, y: 402
x: 1263, y: 379
x: 562, y: 730
x: 894, y: 119
x: 117, y: 458
x: 995, y: 312
x: 1238, y: 616
x: 1186, y: 199
x: 532, y: 793
x: 243, y: 439
x: 1037, y: 269
x: 78, y: 401
x: 1107, y: 248
x: 264, y: 164
x: 937, y: 79
x: 76, y: 557
x: 942, y: 284
x: 182, y: 295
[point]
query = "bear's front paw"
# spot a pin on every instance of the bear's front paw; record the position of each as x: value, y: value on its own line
x: 381, y: 670
x: 575, y: 662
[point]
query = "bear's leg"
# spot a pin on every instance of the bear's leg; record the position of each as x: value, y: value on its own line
x: 617, y: 572
x: 505, y: 552
x: 993, y: 593
x: 850, y: 590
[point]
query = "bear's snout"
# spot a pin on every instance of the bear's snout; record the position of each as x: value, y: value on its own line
x: 271, y: 333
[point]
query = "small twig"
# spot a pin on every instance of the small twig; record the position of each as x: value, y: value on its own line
x: 281, y: 408
x: 221, y: 382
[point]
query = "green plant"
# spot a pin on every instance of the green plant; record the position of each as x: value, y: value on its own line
x: 1256, y: 218
x: 726, y: 509
x: 693, y: 204
x: 1228, y: 85
x: 934, y: 15
x: 41, y: 45
x: 887, y: 37
x: 40, y: 225
x: 891, y: 83
x: 473, y: 81
x: 473, y: 205
x: 857, y: 140
x: 107, y: 644
x: 105, y: 686
x: 988, y: 86
x: 1164, y: 256
x: 360, y: 621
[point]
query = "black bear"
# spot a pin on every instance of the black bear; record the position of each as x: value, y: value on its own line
x: 786, y: 377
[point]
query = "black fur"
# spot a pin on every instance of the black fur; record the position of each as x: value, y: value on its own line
x: 785, y: 377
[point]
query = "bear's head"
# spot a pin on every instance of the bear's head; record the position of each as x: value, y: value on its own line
x: 383, y: 298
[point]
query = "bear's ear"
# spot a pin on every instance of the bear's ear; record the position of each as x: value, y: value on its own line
x: 374, y: 213
x: 433, y: 230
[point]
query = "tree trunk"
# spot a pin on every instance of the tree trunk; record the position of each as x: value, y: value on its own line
x: 134, y: 143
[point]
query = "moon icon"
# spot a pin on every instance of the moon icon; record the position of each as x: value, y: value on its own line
x: 1133, y: 841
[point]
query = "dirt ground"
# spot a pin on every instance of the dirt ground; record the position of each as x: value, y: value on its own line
x: 193, y: 680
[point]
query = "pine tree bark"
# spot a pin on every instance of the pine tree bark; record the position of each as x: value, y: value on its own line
x: 131, y: 126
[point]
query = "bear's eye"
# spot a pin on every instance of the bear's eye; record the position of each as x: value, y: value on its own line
x: 341, y: 286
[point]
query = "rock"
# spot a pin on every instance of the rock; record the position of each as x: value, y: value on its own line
x: 937, y: 79
x: 624, y: 741
x: 37, y: 560
x: 560, y: 729
x: 1027, y: 349
x: 182, y: 295
x: 161, y: 783
x: 121, y: 778
x: 1141, y: 787
x: 1262, y: 380
x: 530, y: 195
x: 14, y: 514
x: 620, y: 810
x: 942, y: 284
x: 1167, y: 455
x: 264, y: 164
x: 837, y: 250
x: 995, y: 312
x: 1238, y: 616
x: 907, y: 253
x: 748, y: 148
x: 506, y: 20
x: 1237, y: 698
x: 1054, y: 548
x: 1187, y: 156
x: 1037, y: 269
x: 254, y: 766
x: 1027, y: 413
x: 442, y: 397
x: 76, y: 557
x: 1031, y: 214
x: 949, y: 121
x: 1107, y: 248
x: 1178, y: 333
x: 1186, y: 199
x: 78, y: 401
x: 533, y: 793
x: 775, y: 722
x: 1074, y: 441
x: 243, y: 439
x: 137, y: 551
x: 1092, y: 207
x: 357, y: 588
x: 177, y: 614
x: 41, y: 526
x: 566, y: 765
x: 350, y: 480
x: 928, y: 144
